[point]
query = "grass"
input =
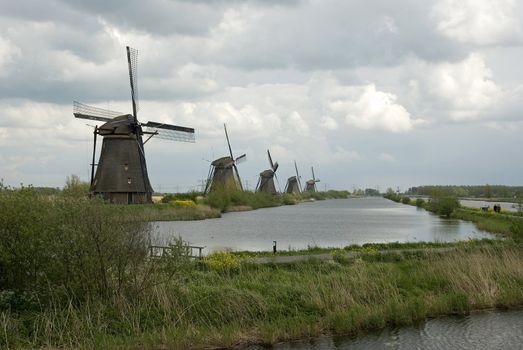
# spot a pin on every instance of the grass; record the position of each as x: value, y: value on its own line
x: 168, y: 212
x: 373, y: 248
x: 273, y: 303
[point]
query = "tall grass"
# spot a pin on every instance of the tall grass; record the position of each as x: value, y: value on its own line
x: 270, y: 303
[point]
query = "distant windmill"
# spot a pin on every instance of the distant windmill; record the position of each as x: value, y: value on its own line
x: 293, y: 182
x: 121, y: 173
x: 311, y: 184
x: 223, y: 172
x: 266, y: 180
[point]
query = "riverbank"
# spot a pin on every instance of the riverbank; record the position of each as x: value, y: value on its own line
x: 238, y: 304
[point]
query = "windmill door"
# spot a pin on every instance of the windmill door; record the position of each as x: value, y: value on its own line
x: 129, y: 198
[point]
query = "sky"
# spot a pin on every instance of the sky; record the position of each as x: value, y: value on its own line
x: 371, y: 93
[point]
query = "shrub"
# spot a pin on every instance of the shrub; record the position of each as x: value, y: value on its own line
x: 442, y: 204
x: 80, y: 246
x: 420, y: 202
x: 405, y: 200
x: 288, y: 199
x: 74, y: 187
x: 222, y: 262
x: 180, y: 203
x: 193, y: 195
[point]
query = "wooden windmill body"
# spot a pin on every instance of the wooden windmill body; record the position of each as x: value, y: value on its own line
x: 223, y: 173
x: 293, y: 182
x: 266, y: 179
x: 311, y: 184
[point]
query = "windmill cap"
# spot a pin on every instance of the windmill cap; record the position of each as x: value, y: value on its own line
x: 267, y: 173
x: 121, y: 125
x: 222, y: 162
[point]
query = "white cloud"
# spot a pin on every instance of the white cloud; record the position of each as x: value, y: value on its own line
x: 367, y: 108
x: 9, y: 52
x: 328, y: 123
x: 465, y: 89
x: 482, y: 22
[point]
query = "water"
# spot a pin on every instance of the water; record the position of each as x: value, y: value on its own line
x: 331, y: 223
x: 480, y: 331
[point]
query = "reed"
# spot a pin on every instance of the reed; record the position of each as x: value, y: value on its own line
x: 271, y: 303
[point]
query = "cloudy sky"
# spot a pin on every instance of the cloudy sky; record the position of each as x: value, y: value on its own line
x: 372, y: 93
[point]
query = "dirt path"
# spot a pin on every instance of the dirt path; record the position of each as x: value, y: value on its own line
x: 283, y: 259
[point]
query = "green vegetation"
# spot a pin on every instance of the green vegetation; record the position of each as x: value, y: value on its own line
x: 482, y: 191
x: 230, y: 199
x: 230, y: 303
x: 440, y: 202
x: 193, y: 196
x: 76, y: 273
x: 380, y: 247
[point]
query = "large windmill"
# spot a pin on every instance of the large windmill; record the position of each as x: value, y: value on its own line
x: 266, y: 180
x: 293, y: 182
x: 311, y: 184
x: 121, y: 173
x: 223, y: 172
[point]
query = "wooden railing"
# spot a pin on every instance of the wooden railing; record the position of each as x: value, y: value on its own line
x: 156, y: 251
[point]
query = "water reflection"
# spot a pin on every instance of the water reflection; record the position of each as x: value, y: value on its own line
x: 487, y: 330
x: 332, y: 223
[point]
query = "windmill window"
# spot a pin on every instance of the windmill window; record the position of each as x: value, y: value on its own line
x: 126, y: 166
x: 129, y: 180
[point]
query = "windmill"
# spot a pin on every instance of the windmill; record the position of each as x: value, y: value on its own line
x: 223, y: 172
x: 121, y: 173
x: 311, y: 184
x: 266, y: 180
x: 293, y: 182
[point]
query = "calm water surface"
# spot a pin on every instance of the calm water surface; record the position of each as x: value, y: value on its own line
x: 495, y: 330
x: 330, y: 223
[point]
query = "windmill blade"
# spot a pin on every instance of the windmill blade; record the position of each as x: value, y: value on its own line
x: 312, y: 168
x: 277, y: 181
x: 240, y: 159
x: 297, y: 177
x: 83, y: 111
x: 132, y: 62
x: 170, y: 132
x: 317, y: 180
x: 228, y: 143
x: 238, y: 175
x: 270, y: 160
x: 275, y: 167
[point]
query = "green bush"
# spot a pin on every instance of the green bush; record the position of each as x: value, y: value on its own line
x: 76, y: 246
x: 405, y: 200
x: 420, y: 202
x: 193, y: 195
x: 442, y: 204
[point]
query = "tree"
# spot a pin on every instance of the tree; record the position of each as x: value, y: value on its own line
x: 488, y: 191
x: 443, y: 203
x: 75, y: 187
